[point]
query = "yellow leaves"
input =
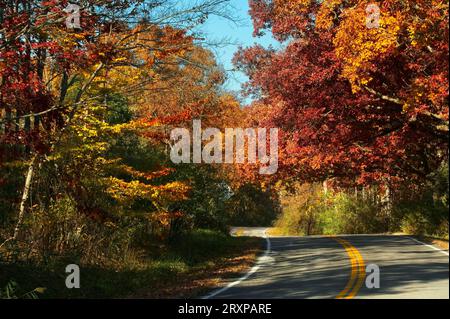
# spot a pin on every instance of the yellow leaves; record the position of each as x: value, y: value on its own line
x: 326, y: 14
x: 120, y: 59
x: 364, y: 31
x: 359, y: 46
x: 79, y: 36
x: 160, y: 195
x: 88, y: 150
x: 174, y: 191
x: 40, y: 290
x: 365, y: 81
x: 125, y: 191
x: 406, y: 107
x: 412, y: 34
x: 144, y: 175
x: 85, y: 132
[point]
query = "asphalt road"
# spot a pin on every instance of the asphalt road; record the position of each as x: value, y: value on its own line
x: 335, y: 267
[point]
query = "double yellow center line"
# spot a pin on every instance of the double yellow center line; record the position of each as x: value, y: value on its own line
x: 358, y: 270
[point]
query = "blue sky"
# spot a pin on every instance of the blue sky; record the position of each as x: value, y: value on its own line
x: 218, y: 29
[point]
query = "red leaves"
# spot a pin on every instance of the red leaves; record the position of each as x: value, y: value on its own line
x: 35, y: 48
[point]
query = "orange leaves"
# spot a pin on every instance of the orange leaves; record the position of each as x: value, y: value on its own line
x: 171, y: 41
x: 159, y: 43
x: 167, y: 120
x: 131, y: 56
x: 327, y: 14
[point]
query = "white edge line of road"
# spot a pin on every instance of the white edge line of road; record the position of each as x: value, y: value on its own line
x: 431, y: 246
x: 247, y: 275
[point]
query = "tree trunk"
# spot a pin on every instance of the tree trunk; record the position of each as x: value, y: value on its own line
x: 325, y: 187
x: 25, y: 195
x: 387, y: 205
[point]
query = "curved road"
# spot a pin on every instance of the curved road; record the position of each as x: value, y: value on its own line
x: 334, y: 267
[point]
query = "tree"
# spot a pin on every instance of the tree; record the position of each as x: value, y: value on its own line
x: 362, y: 104
x: 54, y: 79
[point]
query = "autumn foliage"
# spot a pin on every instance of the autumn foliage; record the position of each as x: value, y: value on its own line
x: 358, y: 90
x: 360, y: 104
x: 86, y: 114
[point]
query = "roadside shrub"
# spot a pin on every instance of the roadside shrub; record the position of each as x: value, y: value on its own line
x: 420, y: 209
x: 61, y: 232
x: 349, y: 214
x: 301, y: 211
x: 414, y: 224
x: 424, y: 210
x: 310, y: 211
x: 443, y: 230
x: 423, y: 217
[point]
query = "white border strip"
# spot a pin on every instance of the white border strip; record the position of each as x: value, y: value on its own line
x: 247, y: 275
x: 431, y: 246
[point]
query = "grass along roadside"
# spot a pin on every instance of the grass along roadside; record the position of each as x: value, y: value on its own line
x: 441, y: 243
x: 278, y: 232
x: 188, y: 268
